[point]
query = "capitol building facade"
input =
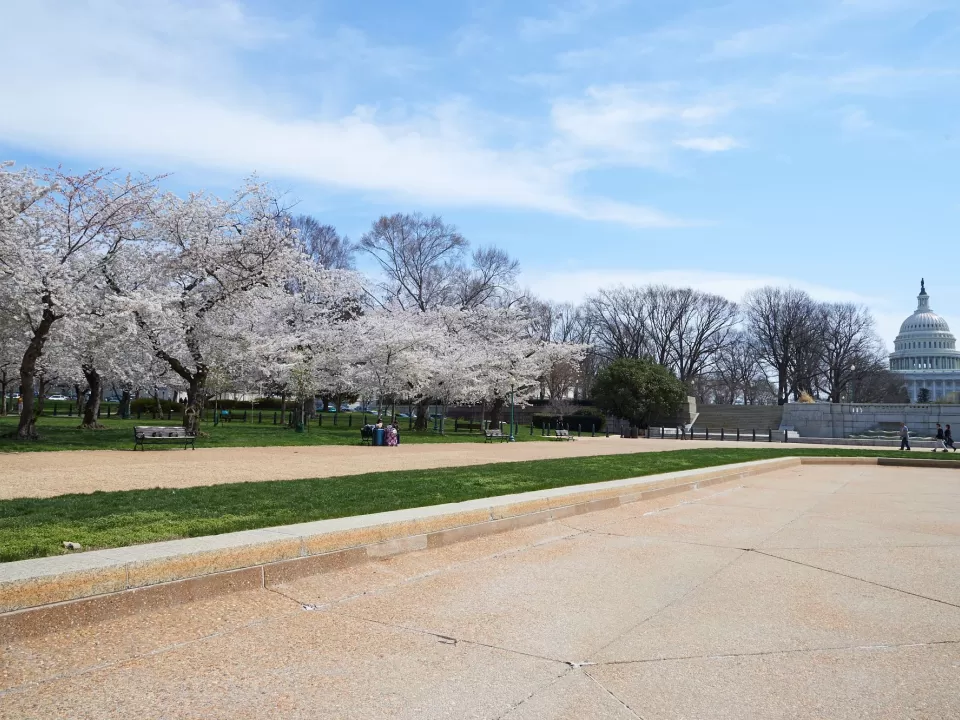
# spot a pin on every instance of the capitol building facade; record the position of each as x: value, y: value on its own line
x: 925, y: 353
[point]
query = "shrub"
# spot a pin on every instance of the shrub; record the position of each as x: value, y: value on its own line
x: 258, y: 404
x: 638, y: 391
x: 147, y: 405
x: 584, y: 418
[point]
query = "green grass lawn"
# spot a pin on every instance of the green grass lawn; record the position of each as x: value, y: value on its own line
x: 62, y: 433
x: 37, y: 527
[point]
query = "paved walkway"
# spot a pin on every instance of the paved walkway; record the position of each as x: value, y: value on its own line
x: 815, y: 592
x: 35, y: 474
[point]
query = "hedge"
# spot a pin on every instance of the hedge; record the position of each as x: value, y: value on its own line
x: 585, y: 421
x: 148, y: 405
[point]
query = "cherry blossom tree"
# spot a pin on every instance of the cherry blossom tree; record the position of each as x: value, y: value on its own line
x: 58, y: 234
x: 204, y: 263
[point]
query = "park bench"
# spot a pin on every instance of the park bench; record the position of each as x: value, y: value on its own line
x: 564, y: 435
x: 491, y: 435
x: 162, y: 433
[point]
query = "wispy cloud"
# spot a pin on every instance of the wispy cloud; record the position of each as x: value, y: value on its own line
x: 721, y: 143
x: 565, y: 19
x: 210, y: 118
x: 638, y: 125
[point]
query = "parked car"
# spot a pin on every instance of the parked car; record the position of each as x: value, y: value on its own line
x: 345, y: 408
x: 112, y: 399
x: 59, y: 398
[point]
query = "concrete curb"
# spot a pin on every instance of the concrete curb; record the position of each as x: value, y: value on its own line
x: 47, y: 594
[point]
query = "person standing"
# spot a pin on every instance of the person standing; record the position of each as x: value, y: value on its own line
x: 948, y: 440
x: 904, y: 436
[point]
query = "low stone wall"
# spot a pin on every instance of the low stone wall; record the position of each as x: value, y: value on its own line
x: 841, y: 420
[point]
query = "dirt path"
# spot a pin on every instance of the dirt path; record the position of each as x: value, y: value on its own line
x: 45, y: 474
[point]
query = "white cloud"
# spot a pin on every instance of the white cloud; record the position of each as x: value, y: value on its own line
x: 760, y: 40
x: 632, y: 125
x: 709, y: 144
x: 144, y: 94
x: 565, y: 19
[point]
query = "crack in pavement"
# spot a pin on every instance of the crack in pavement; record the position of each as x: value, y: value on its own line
x: 764, y: 653
x: 448, y: 639
x: 536, y: 692
x: 854, y: 577
x: 612, y: 694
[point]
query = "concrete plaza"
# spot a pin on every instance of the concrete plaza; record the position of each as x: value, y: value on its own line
x: 808, y: 592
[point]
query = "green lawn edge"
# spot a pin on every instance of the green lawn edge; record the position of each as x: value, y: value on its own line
x: 36, y: 527
x: 62, y: 433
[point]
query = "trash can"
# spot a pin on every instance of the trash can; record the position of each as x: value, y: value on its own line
x: 378, y: 436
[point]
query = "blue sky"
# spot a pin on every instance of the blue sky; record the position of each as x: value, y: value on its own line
x: 716, y: 144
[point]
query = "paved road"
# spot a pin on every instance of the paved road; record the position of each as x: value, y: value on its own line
x: 815, y: 592
x: 35, y: 474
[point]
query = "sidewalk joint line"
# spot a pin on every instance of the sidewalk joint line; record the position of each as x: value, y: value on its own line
x: 765, y: 653
x: 614, y: 696
x: 854, y: 577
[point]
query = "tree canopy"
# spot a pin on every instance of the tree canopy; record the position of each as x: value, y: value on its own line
x: 638, y: 391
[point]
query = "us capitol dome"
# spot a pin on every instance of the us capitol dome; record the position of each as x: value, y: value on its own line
x: 925, y: 352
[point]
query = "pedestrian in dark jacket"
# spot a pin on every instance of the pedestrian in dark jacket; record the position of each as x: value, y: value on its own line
x: 939, y: 439
x: 948, y: 440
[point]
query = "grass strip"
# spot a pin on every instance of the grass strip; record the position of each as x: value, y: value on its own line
x: 62, y: 433
x: 36, y: 527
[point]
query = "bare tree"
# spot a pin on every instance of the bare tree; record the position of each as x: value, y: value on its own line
x: 619, y: 319
x: 847, y: 342
x: 876, y: 384
x: 324, y: 244
x: 560, y: 380
x: 425, y: 266
x: 736, y: 374
x: 704, y: 325
x: 779, y: 323
x: 420, y: 258
x: 489, y: 278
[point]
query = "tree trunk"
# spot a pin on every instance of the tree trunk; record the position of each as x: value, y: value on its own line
x: 92, y: 407
x: 4, y: 381
x: 194, y: 406
x: 78, y: 396
x: 495, y: 410
x: 423, y: 411
x: 124, y: 410
x: 27, y: 428
x: 783, y: 391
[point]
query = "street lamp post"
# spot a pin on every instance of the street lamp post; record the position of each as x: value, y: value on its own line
x: 512, y: 438
x: 853, y: 370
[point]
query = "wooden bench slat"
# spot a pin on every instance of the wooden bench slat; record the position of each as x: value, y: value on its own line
x: 162, y: 433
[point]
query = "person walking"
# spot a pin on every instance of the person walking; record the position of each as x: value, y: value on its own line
x: 904, y: 436
x: 939, y: 438
x: 948, y: 440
